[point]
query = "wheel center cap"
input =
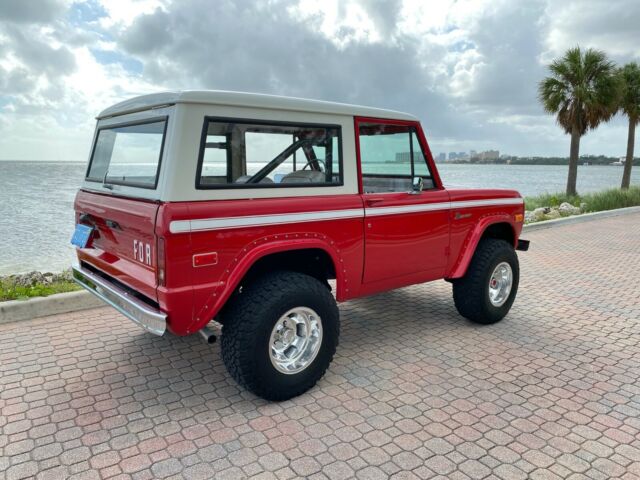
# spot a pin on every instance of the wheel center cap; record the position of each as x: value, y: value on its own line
x: 287, y: 336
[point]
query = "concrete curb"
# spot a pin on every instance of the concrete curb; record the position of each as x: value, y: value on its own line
x: 17, y: 310
x: 585, y: 217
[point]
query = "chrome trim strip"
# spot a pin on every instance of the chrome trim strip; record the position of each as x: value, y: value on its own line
x: 200, y: 225
x: 145, y: 316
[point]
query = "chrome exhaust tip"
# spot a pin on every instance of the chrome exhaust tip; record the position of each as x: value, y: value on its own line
x: 208, y: 335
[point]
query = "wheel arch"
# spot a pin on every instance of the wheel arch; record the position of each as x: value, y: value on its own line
x: 502, y: 231
x: 310, y: 260
x: 312, y: 256
x: 496, y: 226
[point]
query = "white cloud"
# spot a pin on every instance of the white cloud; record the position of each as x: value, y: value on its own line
x: 122, y: 13
x: 602, y: 24
x: 468, y: 68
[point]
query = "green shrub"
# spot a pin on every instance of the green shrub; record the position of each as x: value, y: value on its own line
x: 11, y: 291
x: 550, y: 200
x: 596, y: 202
x: 611, y: 199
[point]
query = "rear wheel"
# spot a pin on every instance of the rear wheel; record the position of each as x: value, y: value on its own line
x: 280, y: 335
x: 487, y: 291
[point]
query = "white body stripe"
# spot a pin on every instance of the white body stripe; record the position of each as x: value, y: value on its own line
x: 423, y: 207
x: 259, y: 220
x: 180, y: 226
x: 487, y: 203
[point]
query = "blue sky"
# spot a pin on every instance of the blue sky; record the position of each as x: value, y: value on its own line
x: 81, y: 13
x: 468, y: 69
x: 110, y: 57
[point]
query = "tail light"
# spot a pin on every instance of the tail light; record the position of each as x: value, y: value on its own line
x: 160, y: 271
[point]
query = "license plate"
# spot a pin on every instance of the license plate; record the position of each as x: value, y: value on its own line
x: 81, y: 235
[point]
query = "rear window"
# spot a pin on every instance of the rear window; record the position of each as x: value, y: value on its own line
x: 128, y: 154
x: 262, y: 154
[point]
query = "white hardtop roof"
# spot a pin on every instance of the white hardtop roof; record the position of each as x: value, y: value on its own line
x: 241, y: 99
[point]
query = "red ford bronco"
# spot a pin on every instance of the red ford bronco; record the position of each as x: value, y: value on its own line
x: 203, y: 205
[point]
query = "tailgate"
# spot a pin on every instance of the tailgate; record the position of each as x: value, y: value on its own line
x: 124, y: 240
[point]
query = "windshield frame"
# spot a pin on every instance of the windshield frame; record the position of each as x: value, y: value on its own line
x: 106, y: 181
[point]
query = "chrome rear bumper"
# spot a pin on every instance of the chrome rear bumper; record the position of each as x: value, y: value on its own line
x: 146, y: 316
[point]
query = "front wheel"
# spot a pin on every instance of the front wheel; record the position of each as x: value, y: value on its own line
x: 280, y: 335
x: 487, y: 291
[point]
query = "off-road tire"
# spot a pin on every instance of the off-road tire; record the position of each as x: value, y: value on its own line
x: 249, y: 321
x: 471, y: 292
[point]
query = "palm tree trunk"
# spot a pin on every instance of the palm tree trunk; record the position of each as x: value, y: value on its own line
x: 574, y: 154
x: 626, y: 176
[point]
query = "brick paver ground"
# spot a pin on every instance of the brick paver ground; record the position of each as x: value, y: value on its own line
x: 415, y: 391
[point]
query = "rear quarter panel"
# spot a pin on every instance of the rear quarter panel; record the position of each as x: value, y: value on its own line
x: 237, y: 248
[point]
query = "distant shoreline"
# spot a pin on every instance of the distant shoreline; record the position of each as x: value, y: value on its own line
x: 545, y: 161
x: 550, y: 161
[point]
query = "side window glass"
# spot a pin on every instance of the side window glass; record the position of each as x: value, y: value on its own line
x: 385, y: 156
x: 262, y: 147
x: 215, y: 162
x: 390, y: 156
x: 264, y: 154
x: 420, y: 167
x: 327, y: 153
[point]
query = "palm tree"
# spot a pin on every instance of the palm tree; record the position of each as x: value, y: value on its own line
x: 583, y: 91
x: 630, y: 105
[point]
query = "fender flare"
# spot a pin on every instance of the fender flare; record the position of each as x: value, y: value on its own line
x: 473, y: 238
x: 250, y: 254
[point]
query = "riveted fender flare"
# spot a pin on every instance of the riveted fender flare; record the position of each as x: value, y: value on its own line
x: 473, y: 238
x: 266, y: 246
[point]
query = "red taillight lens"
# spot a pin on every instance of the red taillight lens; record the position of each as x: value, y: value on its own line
x: 160, y: 271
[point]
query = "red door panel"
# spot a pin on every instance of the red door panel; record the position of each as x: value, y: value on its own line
x: 406, y: 232
x: 399, y: 241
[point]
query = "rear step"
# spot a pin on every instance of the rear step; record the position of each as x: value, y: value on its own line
x: 144, y: 315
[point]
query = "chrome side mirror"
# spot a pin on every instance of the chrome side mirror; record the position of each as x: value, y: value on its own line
x: 416, y: 185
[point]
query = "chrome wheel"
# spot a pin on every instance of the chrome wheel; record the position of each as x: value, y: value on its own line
x: 500, y: 284
x: 295, y: 340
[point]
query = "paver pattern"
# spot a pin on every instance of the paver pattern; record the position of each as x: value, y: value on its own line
x: 415, y: 391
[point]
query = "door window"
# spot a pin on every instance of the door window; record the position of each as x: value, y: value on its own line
x: 390, y: 157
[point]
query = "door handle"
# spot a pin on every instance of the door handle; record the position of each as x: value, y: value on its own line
x: 87, y: 219
x: 373, y: 201
x: 112, y: 224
